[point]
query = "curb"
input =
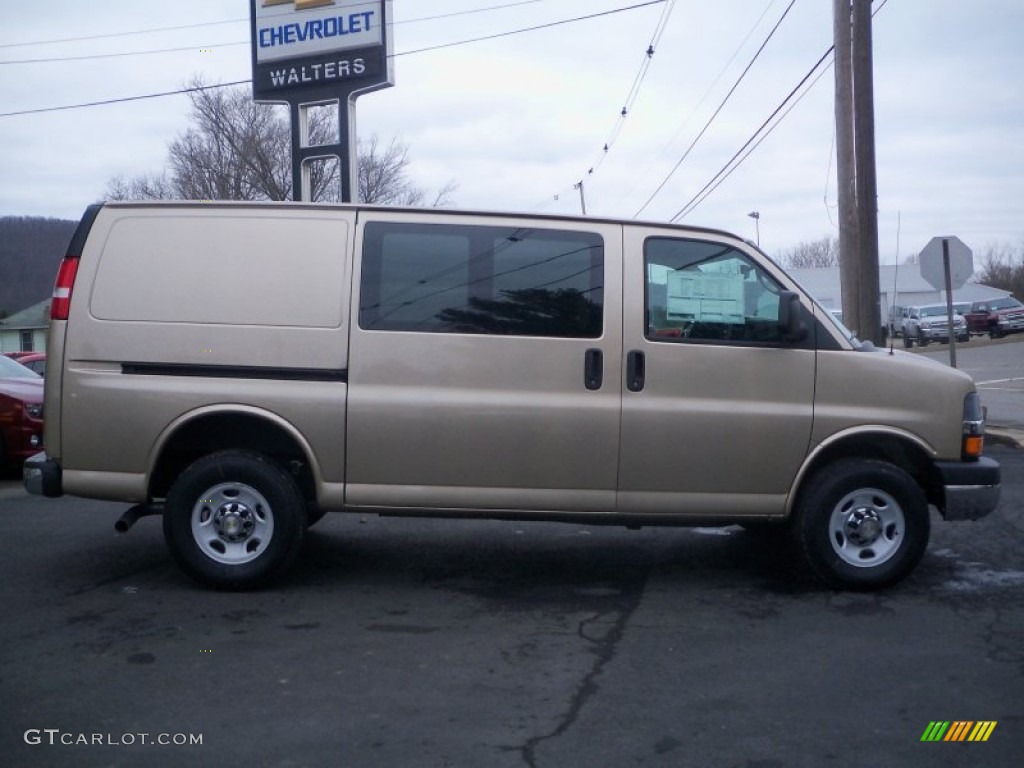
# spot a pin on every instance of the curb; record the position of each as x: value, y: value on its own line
x: 1005, y: 436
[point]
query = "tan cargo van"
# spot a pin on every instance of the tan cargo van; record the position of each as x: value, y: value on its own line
x: 243, y: 368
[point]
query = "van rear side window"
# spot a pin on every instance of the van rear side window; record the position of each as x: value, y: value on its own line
x: 440, y: 278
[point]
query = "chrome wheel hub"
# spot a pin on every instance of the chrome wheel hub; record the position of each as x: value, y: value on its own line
x: 232, y: 523
x: 863, y: 526
x: 866, y: 527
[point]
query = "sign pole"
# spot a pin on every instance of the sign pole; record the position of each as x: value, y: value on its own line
x: 949, y: 301
x: 947, y: 263
x: 344, y: 150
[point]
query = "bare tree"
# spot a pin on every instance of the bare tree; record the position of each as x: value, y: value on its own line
x: 236, y: 149
x: 1002, y: 266
x: 382, y: 178
x: 139, y: 188
x: 813, y: 254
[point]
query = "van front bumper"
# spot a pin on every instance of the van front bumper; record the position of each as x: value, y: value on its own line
x: 971, y: 488
x: 42, y: 476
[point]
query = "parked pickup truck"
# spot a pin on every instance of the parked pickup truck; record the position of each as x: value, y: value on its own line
x: 931, y: 323
x: 996, y: 318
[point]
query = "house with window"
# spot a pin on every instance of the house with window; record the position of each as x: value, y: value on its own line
x: 26, y: 331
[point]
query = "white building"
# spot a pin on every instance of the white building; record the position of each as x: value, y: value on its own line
x: 900, y: 286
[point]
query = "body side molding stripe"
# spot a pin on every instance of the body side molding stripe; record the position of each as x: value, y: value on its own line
x: 235, y: 371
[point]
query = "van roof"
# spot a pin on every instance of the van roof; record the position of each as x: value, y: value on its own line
x: 411, y: 209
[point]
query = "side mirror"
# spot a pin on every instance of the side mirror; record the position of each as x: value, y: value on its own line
x: 791, y: 317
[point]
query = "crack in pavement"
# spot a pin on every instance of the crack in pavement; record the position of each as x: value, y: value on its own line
x: 604, y: 647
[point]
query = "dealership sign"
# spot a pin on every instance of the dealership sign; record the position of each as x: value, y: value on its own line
x: 306, y: 47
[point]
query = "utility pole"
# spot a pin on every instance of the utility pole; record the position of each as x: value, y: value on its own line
x: 846, y: 167
x: 855, y: 168
x: 583, y: 201
x: 867, y: 184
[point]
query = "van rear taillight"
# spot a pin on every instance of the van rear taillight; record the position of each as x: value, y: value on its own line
x: 61, y: 303
x: 62, y: 288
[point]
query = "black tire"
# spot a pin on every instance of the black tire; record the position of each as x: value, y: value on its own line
x: 922, y: 340
x: 964, y: 338
x: 994, y: 332
x: 862, y: 524
x: 908, y: 342
x: 234, y: 520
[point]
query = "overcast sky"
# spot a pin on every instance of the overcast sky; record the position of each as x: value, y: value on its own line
x: 515, y: 121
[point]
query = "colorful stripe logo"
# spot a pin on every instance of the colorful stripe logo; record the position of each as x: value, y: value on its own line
x: 958, y: 730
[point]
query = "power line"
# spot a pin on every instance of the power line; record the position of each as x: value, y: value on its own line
x: 711, y: 119
x: 759, y: 141
x: 634, y: 92
x: 245, y: 18
x: 725, y: 172
x: 403, y: 53
x: 179, y: 49
x: 121, y: 34
x: 651, y: 163
x: 89, y: 56
x: 125, y: 98
x: 694, y: 201
x: 533, y: 29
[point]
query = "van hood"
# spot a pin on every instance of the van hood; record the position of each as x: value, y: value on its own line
x: 926, y: 364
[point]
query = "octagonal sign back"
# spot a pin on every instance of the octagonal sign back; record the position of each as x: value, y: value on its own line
x: 961, y: 263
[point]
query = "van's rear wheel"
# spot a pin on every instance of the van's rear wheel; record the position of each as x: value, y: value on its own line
x: 862, y: 524
x: 234, y: 520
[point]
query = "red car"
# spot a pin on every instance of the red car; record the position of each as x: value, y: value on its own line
x: 35, y: 361
x: 21, y: 412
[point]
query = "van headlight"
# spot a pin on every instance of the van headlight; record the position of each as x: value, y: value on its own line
x: 974, y: 427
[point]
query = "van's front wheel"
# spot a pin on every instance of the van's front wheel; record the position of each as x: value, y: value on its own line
x: 234, y: 520
x: 862, y: 524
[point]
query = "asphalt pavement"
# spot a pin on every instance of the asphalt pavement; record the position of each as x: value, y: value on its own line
x: 404, y: 642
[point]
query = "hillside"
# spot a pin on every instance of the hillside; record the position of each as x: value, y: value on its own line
x: 30, y: 252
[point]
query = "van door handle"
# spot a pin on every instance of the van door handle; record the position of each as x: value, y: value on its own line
x: 636, y: 372
x: 593, y: 369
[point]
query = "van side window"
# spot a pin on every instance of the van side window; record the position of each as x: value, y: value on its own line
x: 443, y: 278
x: 708, y: 292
